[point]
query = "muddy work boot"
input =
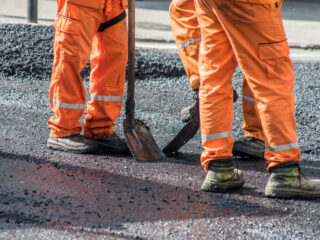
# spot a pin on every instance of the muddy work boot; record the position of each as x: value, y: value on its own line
x: 286, y: 181
x: 74, y: 143
x: 112, y: 144
x: 222, y: 176
x: 192, y: 111
x: 249, y: 147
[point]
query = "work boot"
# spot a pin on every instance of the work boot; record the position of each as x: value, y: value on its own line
x: 286, y: 181
x: 112, y: 144
x: 74, y: 143
x: 249, y: 147
x: 222, y: 176
x: 192, y: 111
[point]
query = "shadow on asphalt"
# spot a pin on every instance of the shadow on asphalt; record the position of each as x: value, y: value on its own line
x: 308, y: 168
x: 62, y: 195
x: 257, y: 165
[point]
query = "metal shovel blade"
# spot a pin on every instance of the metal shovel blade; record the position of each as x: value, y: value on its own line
x: 141, y: 142
x: 185, y: 134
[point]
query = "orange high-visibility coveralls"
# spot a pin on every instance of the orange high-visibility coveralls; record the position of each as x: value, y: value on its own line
x: 84, y: 29
x: 186, y: 31
x: 251, y: 33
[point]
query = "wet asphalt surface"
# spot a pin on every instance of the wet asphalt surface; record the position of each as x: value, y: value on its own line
x: 46, y: 194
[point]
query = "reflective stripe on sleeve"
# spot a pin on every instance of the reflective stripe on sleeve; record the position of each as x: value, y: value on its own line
x: 107, y: 98
x: 283, y: 147
x: 189, y: 42
x: 67, y: 105
x: 216, y: 136
x: 250, y: 99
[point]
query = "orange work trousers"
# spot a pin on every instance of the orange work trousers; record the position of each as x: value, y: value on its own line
x: 186, y: 32
x: 83, y: 31
x: 249, y: 33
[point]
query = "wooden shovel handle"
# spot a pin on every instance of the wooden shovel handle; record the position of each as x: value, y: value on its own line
x: 131, y: 63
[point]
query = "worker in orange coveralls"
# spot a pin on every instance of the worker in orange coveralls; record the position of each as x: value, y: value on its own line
x: 249, y: 33
x: 94, y: 29
x: 187, y: 35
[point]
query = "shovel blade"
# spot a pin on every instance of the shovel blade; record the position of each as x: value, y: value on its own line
x: 141, y: 142
x: 185, y: 134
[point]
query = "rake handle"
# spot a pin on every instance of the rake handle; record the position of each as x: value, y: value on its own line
x: 131, y: 64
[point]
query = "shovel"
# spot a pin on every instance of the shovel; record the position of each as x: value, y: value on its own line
x: 183, y: 136
x: 187, y: 132
x: 138, y: 136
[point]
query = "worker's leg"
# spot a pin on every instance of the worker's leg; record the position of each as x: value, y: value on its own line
x: 75, y: 27
x: 108, y: 62
x: 252, y: 123
x: 252, y: 145
x: 258, y: 39
x: 216, y: 66
x: 186, y: 32
x: 259, y: 42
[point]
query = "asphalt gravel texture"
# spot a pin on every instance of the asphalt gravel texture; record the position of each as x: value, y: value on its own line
x: 47, y: 194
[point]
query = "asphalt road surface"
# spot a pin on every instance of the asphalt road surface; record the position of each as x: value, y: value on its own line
x: 46, y: 194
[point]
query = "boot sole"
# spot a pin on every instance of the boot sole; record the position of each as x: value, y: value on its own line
x: 221, y: 188
x: 285, y: 193
x: 64, y: 148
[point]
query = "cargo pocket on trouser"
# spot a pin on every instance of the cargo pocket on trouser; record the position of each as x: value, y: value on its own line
x: 67, y: 38
x: 279, y: 66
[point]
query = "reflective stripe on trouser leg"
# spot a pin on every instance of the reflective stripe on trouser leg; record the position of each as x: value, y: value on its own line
x: 60, y: 124
x: 216, y: 146
x: 108, y: 60
x: 189, y: 43
x: 75, y: 28
x: 186, y: 32
x: 260, y: 45
x: 251, y: 121
x: 280, y: 154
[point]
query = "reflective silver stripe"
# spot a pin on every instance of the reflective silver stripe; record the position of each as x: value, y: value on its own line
x: 67, y: 105
x: 106, y: 98
x: 250, y: 99
x: 189, y: 42
x: 283, y: 147
x: 216, y: 136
